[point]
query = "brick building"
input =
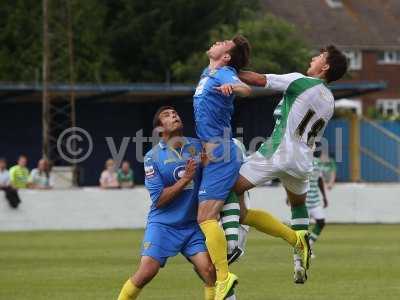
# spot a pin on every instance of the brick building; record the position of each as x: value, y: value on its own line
x: 369, y: 33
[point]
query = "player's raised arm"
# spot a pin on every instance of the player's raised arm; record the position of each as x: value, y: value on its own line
x: 253, y: 78
x: 239, y: 89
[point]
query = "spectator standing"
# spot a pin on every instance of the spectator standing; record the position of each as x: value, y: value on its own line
x: 40, y: 177
x: 11, y: 193
x: 109, y: 177
x: 125, y: 176
x: 19, y: 174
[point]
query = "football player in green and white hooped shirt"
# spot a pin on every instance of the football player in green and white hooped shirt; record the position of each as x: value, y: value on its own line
x: 313, y: 200
x: 305, y: 110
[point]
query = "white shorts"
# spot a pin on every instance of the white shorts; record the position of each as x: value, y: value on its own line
x: 258, y: 169
x: 316, y: 213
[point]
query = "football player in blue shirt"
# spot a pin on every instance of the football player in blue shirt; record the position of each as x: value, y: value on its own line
x: 173, y: 177
x: 213, y: 109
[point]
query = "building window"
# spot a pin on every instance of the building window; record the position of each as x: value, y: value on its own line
x: 334, y: 3
x: 389, y: 107
x: 355, y: 59
x: 389, y: 57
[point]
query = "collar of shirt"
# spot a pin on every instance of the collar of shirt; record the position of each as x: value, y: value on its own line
x: 164, y: 145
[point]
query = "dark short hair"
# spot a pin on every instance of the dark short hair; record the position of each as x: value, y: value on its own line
x: 240, y: 53
x: 337, y: 62
x: 156, y: 118
x: 3, y: 159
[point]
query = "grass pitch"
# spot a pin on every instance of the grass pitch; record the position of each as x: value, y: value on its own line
x: 353, y: 262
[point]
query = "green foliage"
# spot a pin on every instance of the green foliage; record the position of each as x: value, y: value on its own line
x: 20, y: 40
x: 133, y: 41
x: 22, y: 43
x: 149, y: 37
x: 277, y: 47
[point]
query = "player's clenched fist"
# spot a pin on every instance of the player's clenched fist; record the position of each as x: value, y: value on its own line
x: 225, y: 89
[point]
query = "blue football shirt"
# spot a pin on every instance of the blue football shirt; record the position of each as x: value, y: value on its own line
x: 163, y: 167
x: 212, y: 110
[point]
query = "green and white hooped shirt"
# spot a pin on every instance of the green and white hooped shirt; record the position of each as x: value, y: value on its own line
x: 301, y: 118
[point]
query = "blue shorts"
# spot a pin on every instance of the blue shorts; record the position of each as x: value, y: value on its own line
x: 219, y: 176
x: 163, y: 241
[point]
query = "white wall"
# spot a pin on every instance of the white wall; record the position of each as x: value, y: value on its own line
x: 92, y: 208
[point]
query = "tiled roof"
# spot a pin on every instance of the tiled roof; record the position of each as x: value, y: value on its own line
x: 359, y: 24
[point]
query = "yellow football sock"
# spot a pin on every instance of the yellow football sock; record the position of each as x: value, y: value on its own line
x: 216, y: 245
x: 129, y: 291
x: 268, y: 224
x: 209, y: 293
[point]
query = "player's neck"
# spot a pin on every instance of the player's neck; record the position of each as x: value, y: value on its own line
x: 174, y: 139
x: 215, y: 64
x: 320, y: 76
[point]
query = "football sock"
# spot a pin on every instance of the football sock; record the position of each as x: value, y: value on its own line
x: 315, y: 232
x: 300, y: 220
x: 243, y: 232
x: 230, y: 215
x: 209, y: 293
x: 129, y: 291
x: 268, y: 224
x: 217, y: 247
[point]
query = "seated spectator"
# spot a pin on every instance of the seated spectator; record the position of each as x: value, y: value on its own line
x: 19, y: 174
x: 11, y: 193
x: 125, y: 176
x: 40, y: 177
x: 109, y: 178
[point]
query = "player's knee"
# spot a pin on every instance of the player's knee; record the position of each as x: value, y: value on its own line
x: 243, y: 214
x: 209, y: 211
x: 321, y: 223
x: 297, y: 201
x: 145, y: 273
x: 243, y: 210
x: 144, y: 276
x: 208, y: 274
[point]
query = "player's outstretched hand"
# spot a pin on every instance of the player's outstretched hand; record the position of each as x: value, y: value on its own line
x: 190, y: 169
x: 225, y: 89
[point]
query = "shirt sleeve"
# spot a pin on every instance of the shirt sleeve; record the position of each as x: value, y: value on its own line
x: 153, y: 180
x: 228, y: 76
x: 281, y: 82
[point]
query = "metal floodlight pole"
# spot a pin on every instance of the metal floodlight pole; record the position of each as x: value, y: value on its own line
x: 72, y: 81
x: 45, y: 95
x: 58, y: 109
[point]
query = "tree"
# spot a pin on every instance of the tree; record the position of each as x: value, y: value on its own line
x: 276, y: 45
x: 22, y: 44
x: 149, y: 37
x: 20, y: 39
